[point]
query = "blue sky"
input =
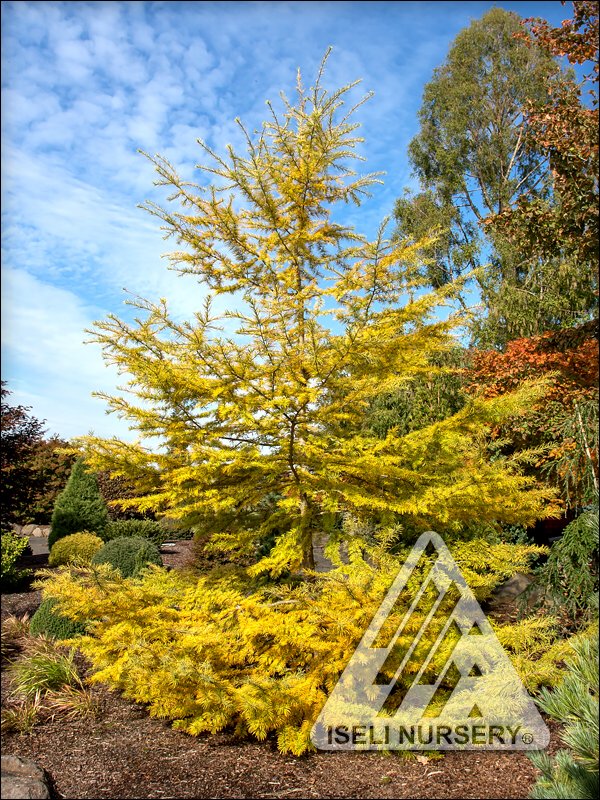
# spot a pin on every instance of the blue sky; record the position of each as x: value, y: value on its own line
x: 84, y: 85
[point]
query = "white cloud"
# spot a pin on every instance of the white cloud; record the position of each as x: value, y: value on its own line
x: 87, y: 84
x: 46, y: 363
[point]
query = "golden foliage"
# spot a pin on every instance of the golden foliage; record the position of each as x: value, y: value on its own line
x: 270, y: 398
x: 220, y: 652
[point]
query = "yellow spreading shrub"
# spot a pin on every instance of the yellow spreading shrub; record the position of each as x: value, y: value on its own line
x: 220, y: 652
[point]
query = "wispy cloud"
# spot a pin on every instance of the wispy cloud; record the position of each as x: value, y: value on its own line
x: 87, y: 84
x: 51, y: 367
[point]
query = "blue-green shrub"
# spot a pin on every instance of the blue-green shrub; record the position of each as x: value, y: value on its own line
x: 128, y: 554
x: 48, y: 622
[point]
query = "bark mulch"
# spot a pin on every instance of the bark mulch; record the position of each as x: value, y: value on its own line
x: 123, y: 753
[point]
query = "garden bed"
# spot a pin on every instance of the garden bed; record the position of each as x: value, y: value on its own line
x: 123, y: 753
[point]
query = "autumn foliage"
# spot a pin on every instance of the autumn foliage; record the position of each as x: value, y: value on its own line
x: 572, y: 363
x: 566, y: 129
x: 562, y: 424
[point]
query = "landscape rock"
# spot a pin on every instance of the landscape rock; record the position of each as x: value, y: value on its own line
x: 513, y: 587
x: 31, y: 529
x: 23, y: 779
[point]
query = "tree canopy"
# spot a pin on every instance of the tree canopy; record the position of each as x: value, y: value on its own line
x: 21, y: 434
x: 475, y: 156
x: 323, y: 326
x: 559, y: 234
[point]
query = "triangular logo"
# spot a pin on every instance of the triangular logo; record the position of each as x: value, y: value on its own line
x: 429, y: 672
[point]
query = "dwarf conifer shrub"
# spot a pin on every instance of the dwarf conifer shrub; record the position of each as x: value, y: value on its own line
x: 142, y: 528
x: 223, y: 652
x: 78, y: 548
x: 573, y: 772
x: 79, y: 507
x: 128, y: 554
x: 49, y: 622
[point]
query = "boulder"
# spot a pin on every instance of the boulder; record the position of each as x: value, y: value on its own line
x: 513, y: 587
x: 23, y: 779
x: 518, y: 590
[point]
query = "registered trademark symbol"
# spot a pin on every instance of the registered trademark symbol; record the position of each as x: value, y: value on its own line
x: 527, y: 738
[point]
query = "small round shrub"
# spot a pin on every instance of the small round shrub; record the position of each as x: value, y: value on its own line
x: 142, y: 528
x: 78, y: 548
x: 48, y: 622
x: 128, y: 554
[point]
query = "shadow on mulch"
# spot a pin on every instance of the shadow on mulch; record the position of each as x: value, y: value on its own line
x: 20, y: 598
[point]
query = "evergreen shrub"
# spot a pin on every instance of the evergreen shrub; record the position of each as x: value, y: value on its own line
x: 78, y: 548
x: 128, y: 554
x: 573, y: 772
x: 570, y: 576
x: 140, y: 528
x: 79, y: 507
x: 48, y: 622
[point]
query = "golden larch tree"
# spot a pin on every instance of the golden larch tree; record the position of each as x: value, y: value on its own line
x: 257, y: 433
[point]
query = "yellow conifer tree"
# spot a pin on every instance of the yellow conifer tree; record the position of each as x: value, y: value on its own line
x: 325, y: 320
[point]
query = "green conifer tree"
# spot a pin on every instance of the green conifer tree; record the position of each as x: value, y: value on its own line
x: 79, y: 507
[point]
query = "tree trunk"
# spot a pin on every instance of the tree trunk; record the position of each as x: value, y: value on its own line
x: 308, y: 557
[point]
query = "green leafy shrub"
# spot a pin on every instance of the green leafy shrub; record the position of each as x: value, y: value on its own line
x: 573, y: 773
x: 141, y: 528
x: 13, y: 547
x: 78, y: 548
x: 79, y: 507
x: 48, y: 622
x: 128, y: 554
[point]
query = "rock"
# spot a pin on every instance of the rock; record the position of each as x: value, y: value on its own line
x: 27, y: 530
x: 23, y: 779
x: 513, y: 587
x: 521, y: 589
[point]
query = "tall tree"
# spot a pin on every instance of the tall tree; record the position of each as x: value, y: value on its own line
x: 52, y: 466
x: 277, y: 406
x: 473, y: 158
x: 21, y: 434
x: 563, y: 232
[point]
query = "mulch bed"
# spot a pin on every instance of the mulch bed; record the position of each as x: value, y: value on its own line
x: 123, y: 753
